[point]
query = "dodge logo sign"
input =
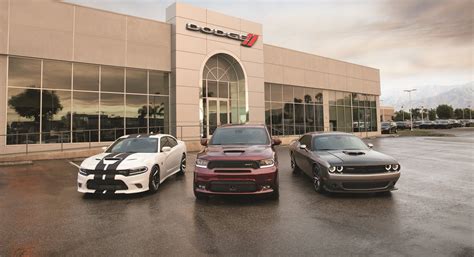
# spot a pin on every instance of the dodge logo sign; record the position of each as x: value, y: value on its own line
x: 247, y: 40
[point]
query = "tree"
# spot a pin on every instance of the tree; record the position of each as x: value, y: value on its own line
x: 401, y: 116
x: 432, y: 114
x: 416, y: 113
x: 458, y: 113
x: 467, y: 113
x: 25, y: 104
x: 445, y: 111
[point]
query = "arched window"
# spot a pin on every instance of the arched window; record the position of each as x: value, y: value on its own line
x: 223, y: 93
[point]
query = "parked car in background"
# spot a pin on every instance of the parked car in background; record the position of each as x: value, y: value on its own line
x: 342, y: 162
x: 237, y: 160
x: 426, y: 124
x: 456, y: 123
x: 416, y: 124
x: 467, y: 122
x: 388, y: 127
x: 403, y: 125
x: 443, y: 124
x: 133, y: 164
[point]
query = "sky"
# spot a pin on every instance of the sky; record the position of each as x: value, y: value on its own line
x: 414, y: 43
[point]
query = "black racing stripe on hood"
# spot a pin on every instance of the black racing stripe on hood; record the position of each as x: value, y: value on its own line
x: 101, y: 165
x: 122, y: 157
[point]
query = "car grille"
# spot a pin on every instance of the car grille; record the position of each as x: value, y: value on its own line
x: 106, y: 185
x: 364, y: 169
x: 232, y: 171
x: 233, y: 164
x: 107, y: 172
x: 233, y: 186
x: 365, y: 185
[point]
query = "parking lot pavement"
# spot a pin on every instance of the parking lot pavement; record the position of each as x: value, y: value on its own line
x: 431, y: 214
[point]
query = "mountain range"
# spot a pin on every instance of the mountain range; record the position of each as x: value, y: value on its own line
x: 430, y: 96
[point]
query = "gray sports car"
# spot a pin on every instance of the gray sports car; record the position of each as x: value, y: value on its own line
x: 341, y: 162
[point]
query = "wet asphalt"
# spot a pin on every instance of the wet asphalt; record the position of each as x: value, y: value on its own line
x: 431, y: 214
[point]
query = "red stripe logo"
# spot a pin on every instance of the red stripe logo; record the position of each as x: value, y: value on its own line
x: 250, y: 40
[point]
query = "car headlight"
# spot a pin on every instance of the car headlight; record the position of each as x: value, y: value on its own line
x: 201, y: 163
x: 332, y: 169
x: 388, y: 167
x: 395, y: 167
x: 83, y: 171
x: 339, y: 169
x: 137, y: 171
x: 266, y: 163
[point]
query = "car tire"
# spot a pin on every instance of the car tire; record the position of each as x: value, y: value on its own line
x: 294, y: 168
x: 182, y: 166
x: 154, y: 180
x: 318, y: 184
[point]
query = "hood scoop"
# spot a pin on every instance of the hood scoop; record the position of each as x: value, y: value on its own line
x: 112, y: 159
x: 353, y: 153
x: 234, y: 151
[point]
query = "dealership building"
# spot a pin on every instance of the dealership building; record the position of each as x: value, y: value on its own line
x: 73, y: 75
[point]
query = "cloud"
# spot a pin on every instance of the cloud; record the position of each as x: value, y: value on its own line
x: 410, y: 41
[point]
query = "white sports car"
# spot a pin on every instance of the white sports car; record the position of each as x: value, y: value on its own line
x: 132, y: 164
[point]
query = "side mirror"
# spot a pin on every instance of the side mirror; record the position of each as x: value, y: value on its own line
x: 104, y: 148
x: 276, y: 141
x: 204, y: 141
x: 165, y: 149
x: 370, y: 145
x: 303, y: 147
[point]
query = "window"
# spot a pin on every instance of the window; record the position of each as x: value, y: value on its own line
x: 276, y: 93
x: 352, y: 112
x: 136, y: 113
x: 172, y: 142
x: 159, y: 114
x: 85, y: 116
x: 23, y: 116
x: 159, y: 83
x: 112, y: 79
x: 57, y: 101
x: 112, y: 113
x: 86, y: 77
x: 163, y: 143
x: 56, y: 116
x: 57, y: 75
x: 136, y: 81
x: 291, y: 110
x: 24, y: 72
x: 306, y: 140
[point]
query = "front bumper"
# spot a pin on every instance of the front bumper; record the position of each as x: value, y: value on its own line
x: 361, y: 183
x: 112, y: 184
x: 258, y: 181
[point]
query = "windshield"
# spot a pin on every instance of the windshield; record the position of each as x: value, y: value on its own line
x: 134, y: 145
x: 385, y: 124
x: 240, y: 136
x: 338, y: 142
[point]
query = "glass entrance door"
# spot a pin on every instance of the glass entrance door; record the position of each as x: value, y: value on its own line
x: 218, y: 113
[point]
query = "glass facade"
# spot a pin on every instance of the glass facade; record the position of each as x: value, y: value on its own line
x: 56, y: 101
x: 291, y: 110
x: 352, y: 112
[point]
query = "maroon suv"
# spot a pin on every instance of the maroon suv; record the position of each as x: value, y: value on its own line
x: 239, y: 159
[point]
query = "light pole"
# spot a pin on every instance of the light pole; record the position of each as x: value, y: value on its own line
x: 409, y: 102
x: 403, y: 114
x: 422, y: 113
